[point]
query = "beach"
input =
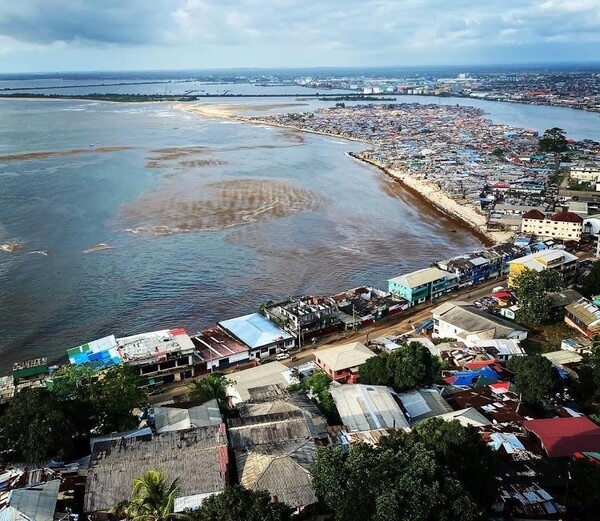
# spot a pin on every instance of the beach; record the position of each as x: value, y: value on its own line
x: 462, y: 211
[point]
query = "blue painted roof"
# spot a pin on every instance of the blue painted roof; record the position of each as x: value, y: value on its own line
x: 255, y: 330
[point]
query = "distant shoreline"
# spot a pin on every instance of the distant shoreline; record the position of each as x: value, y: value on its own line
x: 465, y: 216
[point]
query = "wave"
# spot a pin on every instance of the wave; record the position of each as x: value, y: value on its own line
x: 98, y: 247
x: 39, y: 252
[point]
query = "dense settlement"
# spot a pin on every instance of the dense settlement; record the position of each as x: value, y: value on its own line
x: 540, y: 208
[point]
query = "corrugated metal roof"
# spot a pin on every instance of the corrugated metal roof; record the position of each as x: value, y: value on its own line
x: 367, y: 407
x: 255, y: 330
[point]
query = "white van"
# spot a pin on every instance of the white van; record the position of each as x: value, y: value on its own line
x: 282, y: 356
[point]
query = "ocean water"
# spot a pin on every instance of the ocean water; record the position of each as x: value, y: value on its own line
x: 134, y: 217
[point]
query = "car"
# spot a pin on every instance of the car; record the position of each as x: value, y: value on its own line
x: 282, y: 356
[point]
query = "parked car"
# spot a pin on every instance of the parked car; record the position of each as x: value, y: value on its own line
x: 282, y: 356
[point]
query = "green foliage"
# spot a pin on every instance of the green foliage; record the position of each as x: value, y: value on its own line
x: 534, y: 377
x: 554, y: 140
x: 590, y: 284
x: 409, y: 367
x: 317, y: 385
x: 240, y: 504
x: 532, y: 291
x: 588, y: 384
x: 378, y: 370
x: 498, y: 152
x: 584, y: 486
x: 415, y: 367
x: 419, y: 476
x: 81, y: 402
x: 113, y: 398
x: 35, y: 428
x: 210, y: 387
x: 152, y: 498
x: 450, y: 442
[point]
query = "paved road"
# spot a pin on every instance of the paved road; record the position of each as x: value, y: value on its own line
x: 394, y: 325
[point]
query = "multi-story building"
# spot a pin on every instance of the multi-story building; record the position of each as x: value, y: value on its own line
x: 559, y: 260
x: 159, y: 356
x: 421, y: 285
x: 567, y: 226
x: 306, y: 317
x: 585, y: 172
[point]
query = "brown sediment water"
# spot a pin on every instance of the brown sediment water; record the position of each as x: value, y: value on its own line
x: 196, y: 206
x: 60, y: 153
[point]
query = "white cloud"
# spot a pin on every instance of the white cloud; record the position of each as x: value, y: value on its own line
x: 293, y: 32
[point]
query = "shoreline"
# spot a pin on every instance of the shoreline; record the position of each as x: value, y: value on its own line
x: 464, y: 215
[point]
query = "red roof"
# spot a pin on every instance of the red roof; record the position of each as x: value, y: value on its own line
x: 562, y: 437
x: 478, y: 364
x: 534, y: 214
x: 567, y: 217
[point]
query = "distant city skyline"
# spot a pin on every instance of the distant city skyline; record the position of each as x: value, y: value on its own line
x: 61, y: 35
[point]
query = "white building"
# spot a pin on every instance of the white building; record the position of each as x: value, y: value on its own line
x: 461, y: 321
x: 585, y: 172
x: 159, y: 356
x: 562, y: 225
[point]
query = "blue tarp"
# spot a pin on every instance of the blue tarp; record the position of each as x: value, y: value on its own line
x: 468, y: 377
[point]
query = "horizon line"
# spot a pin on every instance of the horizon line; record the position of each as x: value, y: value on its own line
x: 590, y: 63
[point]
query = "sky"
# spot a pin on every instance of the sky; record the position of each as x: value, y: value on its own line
x: 83, y: 35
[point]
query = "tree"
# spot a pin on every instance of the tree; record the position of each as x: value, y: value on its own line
x: 535, y: 377
x: 317, y: 385
x: 35, y: 428
x: 403, y: 478
x: 378, y: 370
x: 415, y: 367
x: 584, y: 500
x: 240, y: 504
x: 113, y: 398
x: 498, y: 152
x: 153, y: 498
x: 554, y: 140
x: 450, y: 441
x: 590, y: 284
x: 212, y: 386
x: 532, y: 291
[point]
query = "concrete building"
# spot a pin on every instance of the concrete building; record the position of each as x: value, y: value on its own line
x: 559, y: 260
x: 160, y: 357
x: 585, y: 172
x: 305, y: 317
x: 566, y: 226
x: 262, y: 336
x: 422, y: 285
x: 469, y: 324
x: 218, y: 350
x: 342, y: 362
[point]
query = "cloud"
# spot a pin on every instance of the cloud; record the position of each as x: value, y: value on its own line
x: 82, y: 21
x: 304, y: 32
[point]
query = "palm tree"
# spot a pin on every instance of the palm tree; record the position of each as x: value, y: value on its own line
x: 210, y: 387
x: 153, y: 498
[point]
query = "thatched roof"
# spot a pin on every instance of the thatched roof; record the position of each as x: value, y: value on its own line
x: 198, y: 457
